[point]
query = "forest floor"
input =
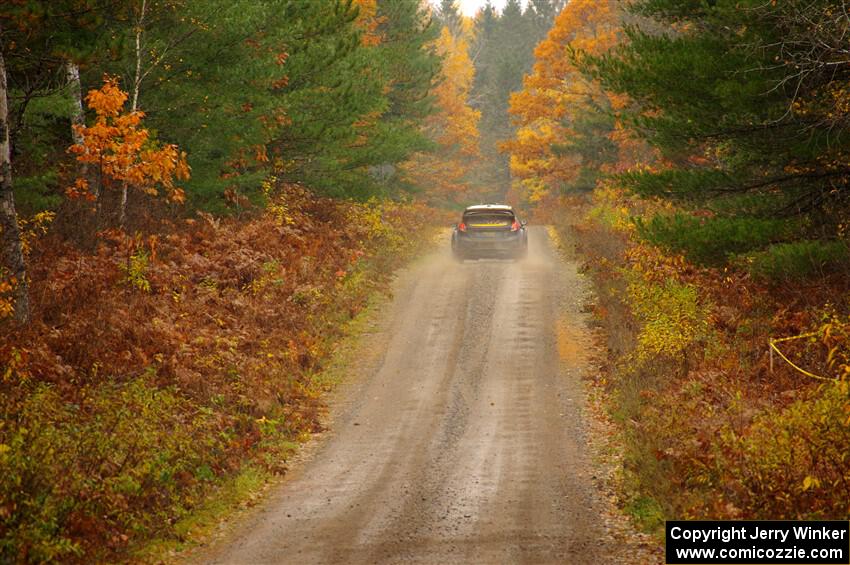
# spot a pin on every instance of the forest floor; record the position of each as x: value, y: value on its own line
x: 467, y: 430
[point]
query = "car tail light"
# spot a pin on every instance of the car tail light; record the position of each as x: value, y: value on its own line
x: 461, y: 226
x: 515, y: 226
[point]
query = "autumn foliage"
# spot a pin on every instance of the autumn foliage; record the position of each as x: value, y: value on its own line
x: 691, y: 177
x: 119, y: 152
x: 714, y: 429
x: 161, y: 364
x: 368, y: 20
x: 555, y: 94
x: 454, y: 127
x: 156, y: 356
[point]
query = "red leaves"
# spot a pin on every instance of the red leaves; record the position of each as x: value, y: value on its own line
x: 219, y: 289
x: 211, y: 365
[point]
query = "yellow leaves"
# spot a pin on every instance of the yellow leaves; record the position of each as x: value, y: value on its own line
x: 670, y: 313
x: 16, y: 367
x: 454, y: 126
x: 136, y: 267
x: 610, y: 209
x: 458, y: 121
x: 810, y: 482
x: 121, y: 150
x: 371, y: 215
x: 534, y: 188
x: 834, y: 337
x: 533, y: 161
x: 33, y: 228
x: 7, y: 307
x: 555, y: 93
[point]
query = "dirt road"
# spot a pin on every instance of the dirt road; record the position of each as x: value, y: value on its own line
x: 460, y: 438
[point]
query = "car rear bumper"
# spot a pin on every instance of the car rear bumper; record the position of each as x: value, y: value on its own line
x: 495, y: 244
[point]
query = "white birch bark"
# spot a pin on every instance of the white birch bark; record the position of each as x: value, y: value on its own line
x: 11, y: 236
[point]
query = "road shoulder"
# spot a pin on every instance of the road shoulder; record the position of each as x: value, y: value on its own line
x: 245, y: 498
x: 580, y: 344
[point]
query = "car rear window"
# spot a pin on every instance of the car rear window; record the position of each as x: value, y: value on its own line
x: 488, y: 219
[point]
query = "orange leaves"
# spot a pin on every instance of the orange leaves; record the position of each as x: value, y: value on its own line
x: 280, y: 59
x: 7, y: 304
x: 108, y: 101
x: 454, y: 126
x: 458, y: 121
x: 368, y: 21
x: 555, y: 93
x: 80, y: 189
x: 121, y: 151
x: 261, y: 154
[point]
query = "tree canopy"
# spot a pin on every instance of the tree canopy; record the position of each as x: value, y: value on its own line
x: 744, y: 102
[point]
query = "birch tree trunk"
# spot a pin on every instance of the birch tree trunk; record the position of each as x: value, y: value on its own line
x: 78, y: 117
x: 137, y: 84
x: 11, y: 237
x: 137, y: 78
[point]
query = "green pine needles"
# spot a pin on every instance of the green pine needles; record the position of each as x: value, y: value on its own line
x: 743, y: 101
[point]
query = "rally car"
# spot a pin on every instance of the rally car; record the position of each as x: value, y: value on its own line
x: 489, y: 230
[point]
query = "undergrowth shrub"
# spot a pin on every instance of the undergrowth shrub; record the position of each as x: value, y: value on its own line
x: 671, y: 316
x: 794, y: 462
x: 611, y: 211
x: 668, y: 431
x: 157, y: 367
x: 710, y: 241
x: 834, y: 337
x: 797, y: 261
x: 710, y: 429
x: 120, y: 459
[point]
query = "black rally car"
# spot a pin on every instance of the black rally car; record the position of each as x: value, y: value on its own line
x: 489, y: 230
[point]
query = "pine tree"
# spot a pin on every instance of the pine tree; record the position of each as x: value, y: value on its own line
x: 503, y: 53
x: 453, y: 127
x: 409, y: 64
x: 743, y: 109
x: 448, y: 15
x: 37, y: 40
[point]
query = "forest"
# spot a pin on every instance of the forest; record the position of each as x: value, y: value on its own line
x: 696, y: 153
x: 200, y: 197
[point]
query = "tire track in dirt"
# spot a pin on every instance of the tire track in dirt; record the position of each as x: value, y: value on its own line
x: 461, y: 441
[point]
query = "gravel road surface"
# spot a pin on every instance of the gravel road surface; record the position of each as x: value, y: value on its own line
x: 459, y: 438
